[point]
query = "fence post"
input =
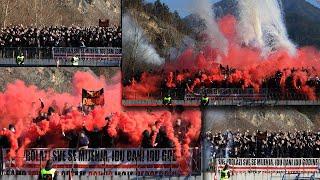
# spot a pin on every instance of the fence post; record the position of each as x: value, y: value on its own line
x: 1, y: 162
x: 13, y: 55
x: 38, y: 53
x: 52, y: 52
x: 26, y: 54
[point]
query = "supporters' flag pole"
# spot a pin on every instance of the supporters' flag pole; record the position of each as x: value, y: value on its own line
x: 40, y: 163
x: 70, y: 176
x: 104, y: 164
x: 70, y: 172
x: 135, y: 158
x: 40, y: 167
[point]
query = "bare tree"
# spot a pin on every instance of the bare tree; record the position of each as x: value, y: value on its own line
x: 7, y: 6
x: 55, y: 12
x: 135, y: 53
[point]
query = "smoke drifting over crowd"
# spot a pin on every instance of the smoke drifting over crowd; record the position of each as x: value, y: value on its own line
x: 20, y: 104
x: 215, y: 38
x: 261, y: 25
x: 136, y: 44
x: 259, y: 52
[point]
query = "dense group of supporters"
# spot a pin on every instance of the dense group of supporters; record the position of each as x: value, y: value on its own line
x: 81, y: 137
x: 288, y: 83
x: 257, y: 144
x: 60, y: 36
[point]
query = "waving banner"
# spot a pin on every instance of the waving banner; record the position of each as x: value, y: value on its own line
x: 93, y: 98
x: 275, y: 165
x: 111, y: 162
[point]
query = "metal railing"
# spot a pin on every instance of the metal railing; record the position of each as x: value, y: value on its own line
x: 223, y: 96
x: 29, y: 53
x: 174, y: 93
x: 250, y: 94
x: 61, y: 56
x: 222, y: 93
x: 87, y: 53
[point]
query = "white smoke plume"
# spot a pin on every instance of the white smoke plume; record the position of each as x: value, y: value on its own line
x: 262, y: 25
x: 249, y: 25
x: 186, y: 42
x: 204, y: 9
x: 135, y: 42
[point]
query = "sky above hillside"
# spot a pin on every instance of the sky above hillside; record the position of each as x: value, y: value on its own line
x: 315, y: 2
x: 182, y: 6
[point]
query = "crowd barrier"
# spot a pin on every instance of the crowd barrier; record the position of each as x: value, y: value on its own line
x: 197, y: 177
x: 223, y: 97
x: 61, y: 56
x: 87, y: 53
x: 264, y: 168
x: 265, y: 176
x: 138, y: 162
x: 267, y: 168
x: 270, y: 164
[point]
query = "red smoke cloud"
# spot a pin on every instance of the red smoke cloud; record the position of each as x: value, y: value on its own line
x: 19, y: 105
x: 251, y: 67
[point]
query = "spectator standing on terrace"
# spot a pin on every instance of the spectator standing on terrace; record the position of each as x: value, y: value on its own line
x: 180, y: 129
x: 83, y: 142
x: 4, y: 142
x: 4, y: 139
x: 96, y: 137
x: 280, y: 84
x: 162, y: 140
x: 72, y: 137
x: 12, y: 128
x: 299, y: 144
x: 66, y: 109
x: 54, y: 108
x: 60, y: 36
x: 42, y: 116
x: 146, y: 140
x: 107, y: 140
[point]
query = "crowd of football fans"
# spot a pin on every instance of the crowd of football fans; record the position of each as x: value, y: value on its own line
x: 289, y: 82
x: 100, y: 138
x: 257, y: 144
x: 60, y: 36
x: 96, y: 138
x: 76, y: 138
